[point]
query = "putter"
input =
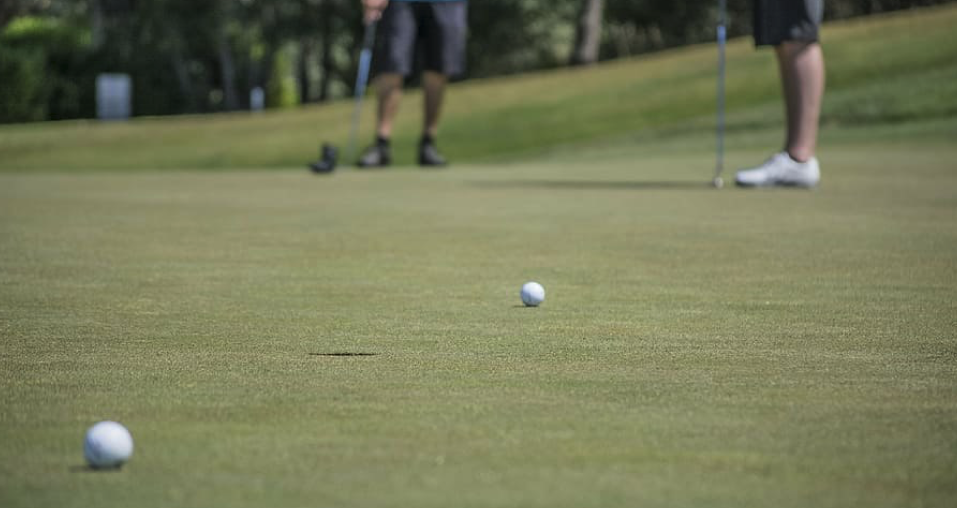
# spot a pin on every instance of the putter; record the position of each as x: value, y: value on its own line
x: 718, y: 182
x: 330, y: 154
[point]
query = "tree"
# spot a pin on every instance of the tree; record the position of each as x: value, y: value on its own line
x: 188, y: 56
x: 588, y: 32
x: 226, y: 17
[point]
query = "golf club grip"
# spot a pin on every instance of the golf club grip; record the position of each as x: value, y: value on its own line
x: 368, y: 39
x: 365, y: 58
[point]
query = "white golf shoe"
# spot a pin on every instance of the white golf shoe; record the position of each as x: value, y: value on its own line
x: 781, y: 171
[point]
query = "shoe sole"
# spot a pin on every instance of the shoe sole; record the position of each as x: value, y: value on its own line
x: 381, y: 165
x: 775, y: 184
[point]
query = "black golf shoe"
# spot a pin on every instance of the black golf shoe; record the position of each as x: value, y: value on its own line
x: 376, y: 156
x: 429, y: 155
x: 327, y: 163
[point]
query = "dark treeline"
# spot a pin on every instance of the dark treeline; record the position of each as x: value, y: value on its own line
x: 197, y: 56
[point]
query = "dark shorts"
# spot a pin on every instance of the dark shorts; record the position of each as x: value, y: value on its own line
x: 436, y: 31
x: 778, y: 21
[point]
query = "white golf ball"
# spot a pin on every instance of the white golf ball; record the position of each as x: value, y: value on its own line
x: 107, y: 445
x: 533, y: 294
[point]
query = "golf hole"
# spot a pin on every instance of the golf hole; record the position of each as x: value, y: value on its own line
x: 343, y: 354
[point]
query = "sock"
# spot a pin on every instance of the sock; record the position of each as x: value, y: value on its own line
x: 382, y: 142
x: 427, y: 140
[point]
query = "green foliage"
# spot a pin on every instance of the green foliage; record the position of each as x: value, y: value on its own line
x: 281, y: 91
x: 174, y: 49
x: 22, y: 97
x: 58, y: 50
x: 46, y: 32
x: 509, y: 36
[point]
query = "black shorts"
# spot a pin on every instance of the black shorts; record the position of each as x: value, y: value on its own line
x: 435, y: 30
x: 779, y: 21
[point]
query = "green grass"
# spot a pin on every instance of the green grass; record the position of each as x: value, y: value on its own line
x: 888, y: 69
x: 696, y: 348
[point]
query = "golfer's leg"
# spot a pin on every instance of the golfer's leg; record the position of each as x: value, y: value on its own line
x: 395, y: 49
x: 389, y: 91
x: 802, y: 77
x: 434, y: 85
x: 445, y: 25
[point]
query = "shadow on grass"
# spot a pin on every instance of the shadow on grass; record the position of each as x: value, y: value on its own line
x: 90, y: 469
x: 343, y: 354
x: 593, y: 185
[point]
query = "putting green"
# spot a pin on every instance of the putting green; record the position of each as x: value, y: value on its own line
x: 278, y: 339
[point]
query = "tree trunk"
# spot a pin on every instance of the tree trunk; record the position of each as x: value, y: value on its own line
x: 588, y: 33
x: 97, y: 24
x: 8, y: 10
x: 185, y: 83
x: 302, y: 73
x: 264, y: 66
x: 327, y: 64
x: 228, y: 70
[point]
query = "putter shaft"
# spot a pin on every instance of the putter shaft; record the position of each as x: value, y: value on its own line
x: 362, y: 80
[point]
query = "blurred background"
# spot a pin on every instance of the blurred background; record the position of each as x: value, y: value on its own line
x: 193, y: 57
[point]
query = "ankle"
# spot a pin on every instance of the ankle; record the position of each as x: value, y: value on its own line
x: 799, y: 156
x: 427, y: 139
x: 382, y: 141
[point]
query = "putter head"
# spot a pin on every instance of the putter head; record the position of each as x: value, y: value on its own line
x: 327, y: 162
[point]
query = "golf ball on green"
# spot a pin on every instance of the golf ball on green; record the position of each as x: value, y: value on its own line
x: 107, y: 445
x: 533, y: 294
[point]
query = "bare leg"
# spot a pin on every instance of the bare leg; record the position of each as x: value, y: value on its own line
x: 802, y: 77
x: 389, y: 90
x: 434, y: 85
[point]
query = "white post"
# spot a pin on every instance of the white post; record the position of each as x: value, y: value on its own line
x: 114, y: 96
x: 257, y: 99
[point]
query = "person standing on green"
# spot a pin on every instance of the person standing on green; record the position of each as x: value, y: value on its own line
x: 791, y: 27
x: 436, y: 27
